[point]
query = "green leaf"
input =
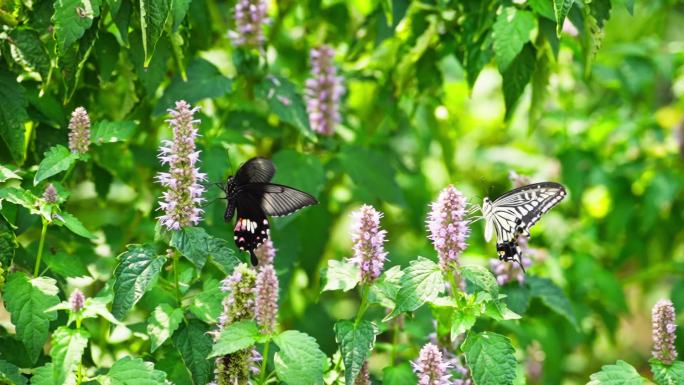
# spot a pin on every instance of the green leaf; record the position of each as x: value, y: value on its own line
x: 207, y: 305
x: 561, y: 9
x: 667, y: 374
x: 133, y: 371
x: 552, y: 296
x: 629, y: 4
x: 482, y: 278
x: 71, y: 19
x: 105, y: 131
x: 161, y: 324
x: 57, y: 159
x: 8, y: 242
x: 377, y: 182
x: 179, y: 8
x: 398, y: 375
x: 6, y: 174
x: 284, y: 100
x: 621, y: 373
x: 13, y: 115
x: 30, y: 51
x: 543, y: 8
x: 234, y: 337
x: 356, y: 342
x: 19, y: 197
x: 42, y: 375
x: 299, y: 361
x: 341, y: 276
x: 153, y: 15
x: 461, y: 322
x: 72, y: 223
x: 204, y: 81
x: 491, y: 358
x: 512, y: 30
x: 152, y: 75
x: 222, y: 254
x: 137, y: 271
x: 516, y: 77
x: 28, y: 299
x: 194, y: 344
x: 66, y: 352
x: 10, y: 375
x: 422, y: 282
x: 385, y: 289
x: 193, y: 243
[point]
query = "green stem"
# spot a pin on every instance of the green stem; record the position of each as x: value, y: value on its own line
x: 36, y: 269
x: 264, y: 362
x: 364, y: 304
x: 395, y: 340
x: 179, y: 297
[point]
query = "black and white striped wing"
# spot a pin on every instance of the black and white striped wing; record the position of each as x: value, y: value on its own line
x: 278, y: 200
x: 515, y: 212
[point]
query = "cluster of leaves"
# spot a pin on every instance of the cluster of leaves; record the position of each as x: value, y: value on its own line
x: 149, y: 310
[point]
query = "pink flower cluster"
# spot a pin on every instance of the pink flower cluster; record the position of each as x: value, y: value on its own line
x: 76, y: 301
x: 266, y: 298
x: 323, y: 91
x: 183, y: 192
x: 369, y: 250
x: 250, y: 18
x: 430, y: 367
x: 664, y: 331
x: 79, y: 131
x: 448, y: 227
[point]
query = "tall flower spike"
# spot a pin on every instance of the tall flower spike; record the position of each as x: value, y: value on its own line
x: 664, y: 331
x: 369, y: 250
x: 76, y: 301
x: 250, y: 18
x: 448, y: 227
x: 50, y: 194
x: 266, y: 298
x: 239, y: 303
x: 323, y: 91
x: 430, y: 367
x: 79, y: 131
x: 266, y: 253
x: 183, y: 192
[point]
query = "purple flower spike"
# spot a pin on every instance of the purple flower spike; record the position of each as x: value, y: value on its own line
x: 76, y: 301
x: 664, y: 331
x: 323, y: 91
x: 50, y: 194
x: 266, y: 253
x: 239, y: 304
x: 369, y: 250
x: 448, y: 227
x: 507, y: 272
x: 266, y: 298
x: 430, y: 367
x: 250, y: 18
x: 183, y: 194
x: 79, y: 131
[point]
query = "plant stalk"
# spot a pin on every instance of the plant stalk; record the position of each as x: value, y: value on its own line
x: 264, y: 362
x: 36, y: 269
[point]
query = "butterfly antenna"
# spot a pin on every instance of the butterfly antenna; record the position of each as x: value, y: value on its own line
x: 519, y: 261
x: 212, y: 201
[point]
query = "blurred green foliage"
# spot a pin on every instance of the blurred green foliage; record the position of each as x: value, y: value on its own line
x: 438, y: 93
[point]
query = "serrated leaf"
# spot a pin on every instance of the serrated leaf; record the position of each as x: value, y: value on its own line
x: 552, y: 296
x: 19, y: 197
x: 193, y: 243
x: 8, y: 242
x: 664, y: 374
x: 341, y: 276
x: 482, y: 278
x: 28, y: 300
x: 105, y: 131
x: 138, y: 269
x: 42, y: 375
x: 222, y: 254
x: 356, y: 342
x: 156, y: 71
x: 422, y: 282
x: 13, y: 115
x: 621, y: 373
x: 153, y: 15
x: 179, y: 8
x: 162, y: 323
x: 511, y: 30
x: 66, y: 352
x: 461, y: 322
x: 561, y: 9
x: 194, y: 344
x: 204, y: 81
x: 134, y: 371
x: 299, y: 360
x: 72, y: 223
x: 207, y: 305
x: 285, y: 101
x: 30, y: 51
x: 234, y: 337
x: 71, y: 19
x: 401, y: 374
x: 517, y: 76
x: 491, y: 358
x: 10, y: 375
x: 384, y: 290
x: 57, y: 159
x: 6, y: 174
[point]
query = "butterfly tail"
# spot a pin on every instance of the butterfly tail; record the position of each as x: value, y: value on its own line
x: 255, y: 260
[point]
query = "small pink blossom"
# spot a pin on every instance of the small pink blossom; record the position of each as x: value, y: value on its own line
x: 76, y: 301
x: 448, y: 227
x: 79, y: 131
x: 368, y: 239
x: 323, y: 91
x: 430, y: 367
x: 664, y: 331
x: 266, y: 298
x: 250, y: 18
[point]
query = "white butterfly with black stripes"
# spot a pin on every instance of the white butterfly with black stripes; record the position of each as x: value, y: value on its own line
x: 514, y: 213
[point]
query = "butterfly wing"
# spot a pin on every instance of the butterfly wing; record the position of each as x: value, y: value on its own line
x: 255, y: 170
x: 251, y: 227
x: 278, y: 200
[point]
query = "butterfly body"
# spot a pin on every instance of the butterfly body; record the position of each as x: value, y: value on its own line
x: 253, y: 197
x: 514, y: 213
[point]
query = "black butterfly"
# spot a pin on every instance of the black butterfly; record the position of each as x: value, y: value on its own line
x: 514, y: 213
x: 254, y: 197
